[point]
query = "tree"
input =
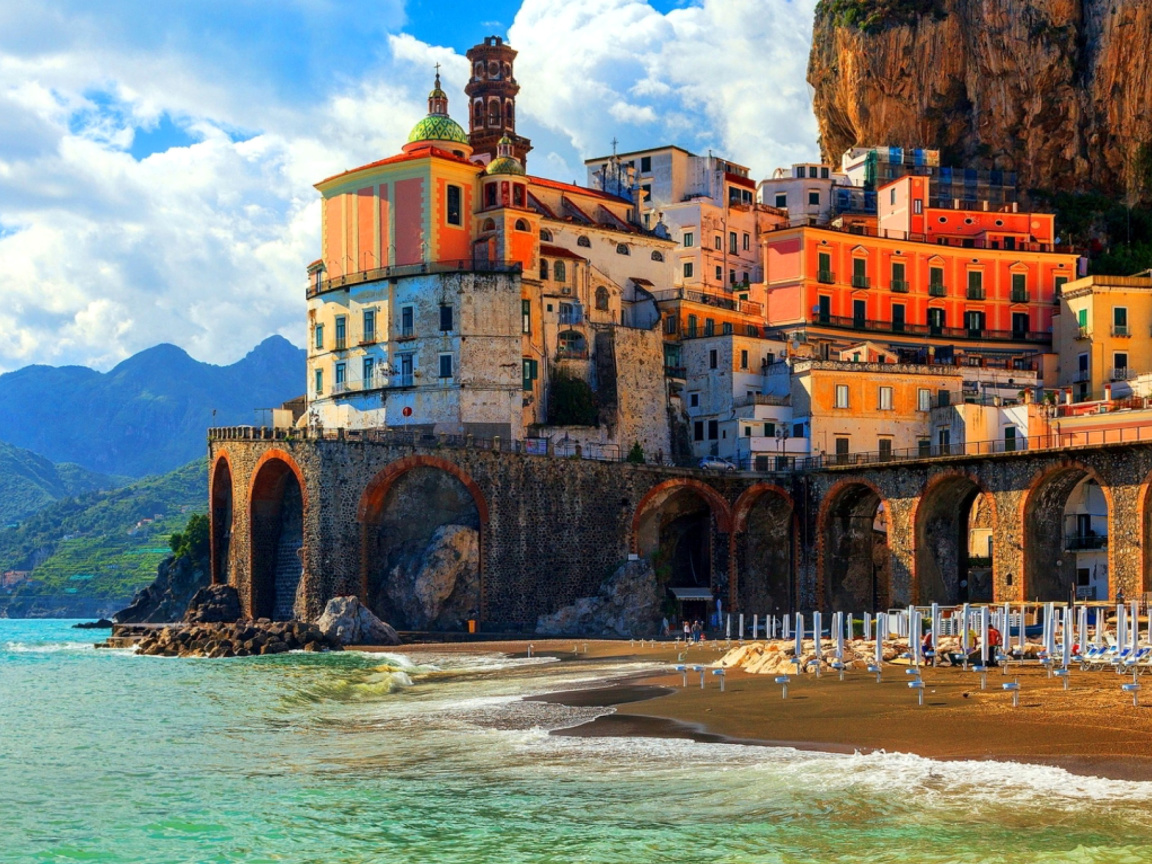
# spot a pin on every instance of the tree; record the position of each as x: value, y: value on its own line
x: 636, y: 454
x: 571, y: 401
x: 193, y: 540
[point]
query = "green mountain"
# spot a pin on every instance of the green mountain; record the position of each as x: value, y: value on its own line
x: 86, y: 555
x: 149, y: 414
x: 29, y: 482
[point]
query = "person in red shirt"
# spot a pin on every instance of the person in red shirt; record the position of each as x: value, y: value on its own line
x: 995, y: 640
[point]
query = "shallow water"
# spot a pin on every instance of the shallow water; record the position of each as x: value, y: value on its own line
x: 356, y: 758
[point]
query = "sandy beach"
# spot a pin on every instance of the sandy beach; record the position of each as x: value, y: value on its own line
x: 1091, y: 729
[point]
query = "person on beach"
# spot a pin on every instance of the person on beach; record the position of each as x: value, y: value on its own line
x: 994, y: 642
x: 666, y: 628
x: 687, y: 631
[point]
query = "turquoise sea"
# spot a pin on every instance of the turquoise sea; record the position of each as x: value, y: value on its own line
x: 105, y: 756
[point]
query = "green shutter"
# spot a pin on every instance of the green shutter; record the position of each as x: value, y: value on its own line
x: 530, y: 373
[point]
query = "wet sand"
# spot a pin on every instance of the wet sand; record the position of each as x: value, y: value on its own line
x: 1091, y: 729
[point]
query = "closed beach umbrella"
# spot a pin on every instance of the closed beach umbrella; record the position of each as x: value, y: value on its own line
x: 1083, y: 639
x: 1068, y: 628
x: 755, y: 627
x: 740, y: 632
x: 1023, y: 638
x: 1006, y: 620
x: 965, y: 612
x: 840, y: 639
x: 868, y: 624
x: 984, y: 616
x: 1050, y: 628
x: 1121, y: 626
x: 786, y: 621
x: 728, y: 627
x: 817, y: 625
x: 880, y: 639
x: 935, y: 630
x: 914, y: 635
x: 799, y: 636
x: 1135, y: 625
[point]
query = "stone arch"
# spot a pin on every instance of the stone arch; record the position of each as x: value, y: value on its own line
x: 684, y: 527
x: 278, y: 502
x: 1056, y: 546
x: 853, y: 557
x: 765, y: 528
x: 948, y: 568
x: 423, y: 522
x: 220, y: 517
x: 1144, y: 514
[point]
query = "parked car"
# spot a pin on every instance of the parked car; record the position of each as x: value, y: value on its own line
x: 715, y: 463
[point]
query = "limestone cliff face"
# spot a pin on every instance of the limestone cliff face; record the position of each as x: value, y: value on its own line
x: 1059, y: 91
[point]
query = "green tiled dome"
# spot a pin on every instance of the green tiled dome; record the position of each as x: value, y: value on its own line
x: 504, y: 165
x: 438, y: 127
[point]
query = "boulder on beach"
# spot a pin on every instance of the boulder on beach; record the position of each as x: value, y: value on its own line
x: 626, y: 606
x: 347, y: 621
x: 214, y: 604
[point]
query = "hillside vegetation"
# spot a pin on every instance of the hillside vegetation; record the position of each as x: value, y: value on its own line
x: 29, y: 482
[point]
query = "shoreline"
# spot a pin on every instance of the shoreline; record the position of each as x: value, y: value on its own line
x: 1092, y: 730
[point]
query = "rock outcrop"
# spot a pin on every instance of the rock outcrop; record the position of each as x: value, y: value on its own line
x: 438, y: 588
x: 167, y: 598
x: 1055, y: 90
x: 239, y: 639
x: 627, y: 605
x: 346, y: 621
x: 214, y: 604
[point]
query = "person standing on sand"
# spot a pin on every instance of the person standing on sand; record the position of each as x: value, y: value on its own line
x: 687, y: 631
x: 994, y: 642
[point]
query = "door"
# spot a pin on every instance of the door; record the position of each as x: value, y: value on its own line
x: 935, y: 322
x: 897, y: 317
x: 859, y: 313
x: 825, y: 309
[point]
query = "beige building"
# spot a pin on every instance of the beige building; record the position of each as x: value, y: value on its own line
x: 1101, y: 333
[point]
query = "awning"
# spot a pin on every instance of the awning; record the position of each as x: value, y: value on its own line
x: 691, y: 593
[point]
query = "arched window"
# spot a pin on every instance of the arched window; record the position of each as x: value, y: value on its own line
x: 584, y: 241
x: 657, y: 256
x: 622, y: 249
x: 494, y: 112
x: 543, y: 268
x: 521, y: 225
x: 601, y: 297
x: 489, y: 225
x: 507, y: 71
x: 545, y: 235
x: 479, y: 70
x: 559, y: 272
x: 572, y: 345
x: 509, y: 108
x: 493, y: 69
x: 478, y: 113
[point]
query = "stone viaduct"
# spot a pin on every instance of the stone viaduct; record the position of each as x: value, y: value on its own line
x: 297, y: 519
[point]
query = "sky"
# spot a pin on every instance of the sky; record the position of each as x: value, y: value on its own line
x: 157, y: 159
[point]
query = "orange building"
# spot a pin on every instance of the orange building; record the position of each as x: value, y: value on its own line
x: 939, y: 284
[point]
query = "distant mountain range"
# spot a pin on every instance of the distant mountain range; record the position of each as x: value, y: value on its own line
x: 29, y: 482
x: 148, y: 415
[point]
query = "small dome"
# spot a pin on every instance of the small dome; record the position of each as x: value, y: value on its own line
x: 504, y: 165
x: 438, y: 127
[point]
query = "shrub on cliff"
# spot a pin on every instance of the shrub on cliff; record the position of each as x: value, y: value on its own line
x: 872, y: 16
x: 571, y: 402
x: 192, y: 542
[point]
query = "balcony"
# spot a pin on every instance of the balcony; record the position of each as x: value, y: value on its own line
x: 861, y: 282
x: 826, y: 277
x: 571, y: 316
x: 1081, y: 376
x: 1122, y: 373
x: 341, y: 343
x: 571, y: 353
x: 396, y: 271
x: 899, y: 286
x: 975, y: 293
x: 937, y: 289
x: 853, y: 323
x: 1085, y: 542
x: 1020, y: 295
x: 1121, y: 331
x: 1082, y: 332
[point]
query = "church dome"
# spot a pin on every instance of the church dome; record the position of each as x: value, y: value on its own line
x: 438, y: 127
x: 505, y: 162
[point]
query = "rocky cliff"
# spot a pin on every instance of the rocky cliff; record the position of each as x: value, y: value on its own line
x: 1059, y: 91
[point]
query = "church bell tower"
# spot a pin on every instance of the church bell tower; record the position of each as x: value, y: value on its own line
x: 492, y: 100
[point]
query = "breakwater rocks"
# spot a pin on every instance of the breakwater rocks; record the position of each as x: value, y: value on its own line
x: 237, y: 639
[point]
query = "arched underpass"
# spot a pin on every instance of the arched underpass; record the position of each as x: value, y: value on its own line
x: 953, y: 514
x: 1066, y: 516
x: 421, y: 533
x: 221, y: 520
x: 277, y: 526
x: 765, y: 549
x: 854, y: 534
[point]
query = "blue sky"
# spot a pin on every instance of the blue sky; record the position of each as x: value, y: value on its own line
x: 157, y: 158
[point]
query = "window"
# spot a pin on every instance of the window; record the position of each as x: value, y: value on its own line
x: 602, y: 299
x: 747, y: 431
x: 341, y: 332
x: 743, y: 359
x: 1120, y: 321
x: 368, y: 370
x: 657, y: 256
x: 719, y: 273
x: 525, y: 316
x: 545, y: 235
x: 726, y: 328
x: 884, y: 445
x: 689, y: 239
x: 369, y: 325
x: 341, y: 369
x: 824, y: 267
x: 645, y: 164
x: 936, y: 281
x: 445, y: 318
x: 543, y: 268
x: 531, y: 370
x: 692, y: 326
x: 693, y: 400
x: 924, y: 447
x: 842, y: 449
x: 709, y: 327
x: 917, y: 206
x: 670, y: 325
x: 797, y: 430
x: 698, y: 430
x: 975, y: 285
x: 319, y: 334
x: 687, y: 269
x: 731, y: 277
x: 713, y: 430
x: 319, y: 381
x: 1019, y: 325
x: 559, y: 272
x: 1019, y: 288
x: 859, y: 273
x: 646, y: 189
x: 453, y: 210
x: 813, y: 198
x: 718, y: 243
x: 733, y: 243
x: 1059, y: 283
x: 769, y: 430
x: 521, y: 225
x: 892, y: 196
x: 489, y: 201
x: 782, y: 200
x: 936, y: 322
x: 584, y: 242
x: 712, y: 359
x: 974, y: 321
x: 923, y: 400
x: 622, y: 249
x: 899, y: 283
x: 445, y: 365
x: 747, y: 241
x: 898, y: 317
x: 859, y: 314
x: 841, y: 395
x: 885, y: 398
x: 406, y: 326
x: 824, y: 309
x: 1120, y: 366
x: 407, y: 364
